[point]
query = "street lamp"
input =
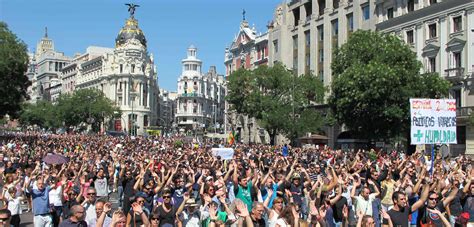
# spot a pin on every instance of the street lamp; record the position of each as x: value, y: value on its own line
x: 250, y: 124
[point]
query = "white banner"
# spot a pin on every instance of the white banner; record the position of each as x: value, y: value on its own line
x: 433, y: 121
x: 224, y: 153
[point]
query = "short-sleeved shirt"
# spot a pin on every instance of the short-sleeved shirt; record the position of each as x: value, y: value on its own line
x: 40, y: 200
x: 364, y: 205
x: 400, y: 218
x: 425, y: 217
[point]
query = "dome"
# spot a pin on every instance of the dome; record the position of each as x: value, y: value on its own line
x: 130, y: 31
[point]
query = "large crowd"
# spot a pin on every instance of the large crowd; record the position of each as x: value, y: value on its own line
x: 160, y: 184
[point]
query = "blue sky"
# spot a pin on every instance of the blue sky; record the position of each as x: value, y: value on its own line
x: 169, y: 26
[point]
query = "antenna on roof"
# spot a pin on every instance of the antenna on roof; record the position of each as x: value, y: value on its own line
x: 243, y: 14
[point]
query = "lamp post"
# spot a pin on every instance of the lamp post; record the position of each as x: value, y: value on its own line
x: 250, y: 124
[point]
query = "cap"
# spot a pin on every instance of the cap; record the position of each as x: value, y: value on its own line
x: 296, y: 175
x: 191, y: 202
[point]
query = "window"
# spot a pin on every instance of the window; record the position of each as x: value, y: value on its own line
x: 307, y: 38
x: 133, y: 68
x: 322, y: 6
x: 308, y: 7
x: 432, y: 31
x: 366, y: 12
x: 121, y: 68
x: 296, y: 16
x: 433, y: 2
x: 389, y: 13
x: 457, y: 59
x: 457, y: 24
x: 432, y: 64
x: 410, y: 38
x: 295, y: 42
x: 320, y: 33
x: 275, y: 46
x: 350, y: 22
x: 321, y: 55
x: 335, y: 4
x: 411, y: 5
x: 145, y: 120
x: 335, y: 27
x: 295, y: 53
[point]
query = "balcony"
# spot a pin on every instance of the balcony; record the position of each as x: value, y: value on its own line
x: 465, y: 111
x: 454, y: 74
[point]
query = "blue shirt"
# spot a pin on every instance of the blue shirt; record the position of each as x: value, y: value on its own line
x: 40, y: 201
x: 285, y: 151
x: 265, y: 194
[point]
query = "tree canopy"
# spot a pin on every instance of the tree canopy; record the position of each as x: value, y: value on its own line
x: 85, y: 106
x: 13, y: 67
x: 374, y: 76
x: 278, y: 99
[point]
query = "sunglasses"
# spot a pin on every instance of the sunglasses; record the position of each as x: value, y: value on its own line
x: 166, y: 197
x: 72, y: 194
x: 433, y: 199
x: 154, y: 219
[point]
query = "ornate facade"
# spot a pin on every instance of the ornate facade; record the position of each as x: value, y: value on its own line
x: 200, y: 101
x: 127, y: 76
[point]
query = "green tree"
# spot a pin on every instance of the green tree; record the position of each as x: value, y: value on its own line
x: 42, y: 114
x: 375, y: 75
x: 278, y: 99
x: 85, y: 106
x: 13, y: 66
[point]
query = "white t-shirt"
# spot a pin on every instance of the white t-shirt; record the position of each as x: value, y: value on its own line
x: 364, y: 205
x: 13, y: 204
x: 55, y: 196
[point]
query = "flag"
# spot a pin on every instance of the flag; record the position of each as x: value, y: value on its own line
x: 231, y: 138
x: 432, y: 161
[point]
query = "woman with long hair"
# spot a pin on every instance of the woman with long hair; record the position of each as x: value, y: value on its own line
x: 288, y: 217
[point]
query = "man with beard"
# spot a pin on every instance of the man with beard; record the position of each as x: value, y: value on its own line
x: 401, y: 210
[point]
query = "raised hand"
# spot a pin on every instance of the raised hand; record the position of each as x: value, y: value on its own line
x: 137, y: 208
x: 107, y: 207
x: 242, y: 208
x: 345, y: 212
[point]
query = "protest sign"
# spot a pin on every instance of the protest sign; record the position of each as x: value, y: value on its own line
x: 224, y: 153
x: 433, y: 121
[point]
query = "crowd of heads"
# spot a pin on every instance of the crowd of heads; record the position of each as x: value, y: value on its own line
x: 110, y: 181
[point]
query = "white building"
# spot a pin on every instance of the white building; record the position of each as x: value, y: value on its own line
x: 167, y: 109
x: 45, y: 65
x: 442, y: 35
x: 70, y: 71
x: 200, y: 102
x: 127, y: 76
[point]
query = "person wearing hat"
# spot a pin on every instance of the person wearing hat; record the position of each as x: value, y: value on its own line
x: 191, y: 215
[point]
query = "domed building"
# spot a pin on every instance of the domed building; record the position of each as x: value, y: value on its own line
x: 127, y: 76
x: 200, y: 99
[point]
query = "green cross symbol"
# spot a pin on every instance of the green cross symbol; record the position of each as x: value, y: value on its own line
x: 418, y: 135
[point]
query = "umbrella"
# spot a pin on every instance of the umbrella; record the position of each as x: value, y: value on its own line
x: 55, y: 159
